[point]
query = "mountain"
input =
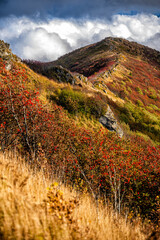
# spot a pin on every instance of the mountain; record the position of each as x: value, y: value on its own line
x: 126, y: 73
x: 54, y: 123
x: 92, y: 58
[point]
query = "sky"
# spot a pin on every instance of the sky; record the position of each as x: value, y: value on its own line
x: 47, y: 29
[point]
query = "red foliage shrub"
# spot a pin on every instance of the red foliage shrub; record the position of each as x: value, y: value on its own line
x: 126, y: 172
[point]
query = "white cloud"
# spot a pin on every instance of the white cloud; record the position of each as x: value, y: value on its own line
x: 154, y: 41
x: 41, y: 45
x: 48, y: 40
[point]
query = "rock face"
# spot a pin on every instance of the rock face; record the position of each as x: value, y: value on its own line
x: 7, y: 55
x: 109, y: 121
x: 59, y: 73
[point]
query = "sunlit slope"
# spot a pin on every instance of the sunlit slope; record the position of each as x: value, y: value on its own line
x: 125, y: 73
x: 121, y: 171
x: 32, y: 206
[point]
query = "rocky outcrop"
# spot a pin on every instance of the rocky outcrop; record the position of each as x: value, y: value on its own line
x: 109, y: 121
x: 60, y: 74
x: 7, y: 55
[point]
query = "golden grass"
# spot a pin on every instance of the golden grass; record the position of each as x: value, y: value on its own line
x: 25, y: 215
x: 23, y: 212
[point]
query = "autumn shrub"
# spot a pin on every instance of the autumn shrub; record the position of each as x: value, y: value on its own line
x: 152, y: 94
x: 78, y: 103
x: 23, y: 120
x: 140, y: 119
x: 138, y: 89
x: 18, y: 110
x: 139, y: 103
x: 125, y: 172
x: 58, y: 206
x: 153, y: 107
x: 112, y: 168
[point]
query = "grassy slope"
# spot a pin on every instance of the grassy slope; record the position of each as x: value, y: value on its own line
x: 91, y: 149
x: 51, y: 89
x: 128, y: 75
x: 103, y: 50
x: 25, y: 215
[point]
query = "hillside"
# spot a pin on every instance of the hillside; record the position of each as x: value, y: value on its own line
x: 103, y: 53
x: 34, y: 207
x: 54, y: 125
x: 125, y: 73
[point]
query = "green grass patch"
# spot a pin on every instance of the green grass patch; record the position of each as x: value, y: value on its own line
x: 139, y: 119
x: 78, y: 103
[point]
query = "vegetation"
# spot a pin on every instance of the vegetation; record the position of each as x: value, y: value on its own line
x: 127, y: 173
x: 77, y: 102
x: 120, y: 174
x: 34, y: 207
x: 129, y: 70
x: 89, y: 59
x: 138, y: 118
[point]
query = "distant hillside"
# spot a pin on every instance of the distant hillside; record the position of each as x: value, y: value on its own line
x: 102, y: 53
x: 127, y: 74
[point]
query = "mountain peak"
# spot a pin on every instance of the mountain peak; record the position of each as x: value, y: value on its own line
x: 91, y: 58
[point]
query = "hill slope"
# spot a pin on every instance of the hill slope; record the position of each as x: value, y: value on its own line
x: 123, y: 172
x: 102, y: 53
x: 126, y: 73
x: 34, y: 207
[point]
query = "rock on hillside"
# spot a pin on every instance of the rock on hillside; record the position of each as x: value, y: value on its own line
x: 61, y: 74
x: 7, y: 55
x: 110, y: 122
x: 57, y: 73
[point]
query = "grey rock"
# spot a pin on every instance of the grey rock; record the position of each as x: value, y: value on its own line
x: 6, y: 54
x: 8, y: 66
x: 109, y: 121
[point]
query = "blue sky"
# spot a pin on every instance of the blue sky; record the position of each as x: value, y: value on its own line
x: 77, y: 8
x: 46, y: 29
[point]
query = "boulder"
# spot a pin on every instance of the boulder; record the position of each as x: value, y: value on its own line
x: 109, y: 121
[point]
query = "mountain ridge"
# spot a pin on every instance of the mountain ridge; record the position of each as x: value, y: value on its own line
x: 118, y: 45
x: 110, y: 44
x: 126, y: 73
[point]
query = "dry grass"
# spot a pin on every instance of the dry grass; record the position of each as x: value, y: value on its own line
x: 25, y: 215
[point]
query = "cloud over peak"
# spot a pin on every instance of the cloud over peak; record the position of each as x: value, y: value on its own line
x: 46, y: 40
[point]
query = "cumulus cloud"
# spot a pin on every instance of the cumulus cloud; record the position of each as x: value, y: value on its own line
x: 41, y: 45
x: 47, y: 40
x: 153, y: 41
